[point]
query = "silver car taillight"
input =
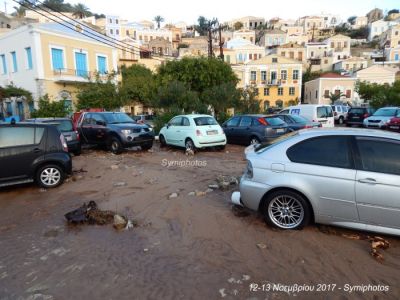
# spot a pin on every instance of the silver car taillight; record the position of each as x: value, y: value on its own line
x: 63, y: 143
x: 249, y: 170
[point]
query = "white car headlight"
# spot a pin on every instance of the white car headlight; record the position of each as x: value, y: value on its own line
x: 249, y: 170
x: 126, y: 131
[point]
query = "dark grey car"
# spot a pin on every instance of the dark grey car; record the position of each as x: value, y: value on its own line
x: 254, y: 129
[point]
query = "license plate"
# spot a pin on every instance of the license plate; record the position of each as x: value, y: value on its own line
x: 68, y: 138
x: 280, y: 130
x: 212, y: 132
x: 394, y: 127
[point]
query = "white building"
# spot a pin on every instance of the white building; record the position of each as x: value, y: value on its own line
x: 378, y: 27
x: 113, y: 27
x: 377, y: 74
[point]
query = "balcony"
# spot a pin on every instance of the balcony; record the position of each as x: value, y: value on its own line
x: 73, y: 75
x: 274, y: 82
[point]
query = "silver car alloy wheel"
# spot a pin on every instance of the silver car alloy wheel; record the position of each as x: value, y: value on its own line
x: 189, y: 145
x: 254, y: 141
x: 114, y: 146
x: 286, y: 211
x: 50, y: 176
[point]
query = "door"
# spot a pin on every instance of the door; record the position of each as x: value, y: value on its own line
x: 172, y: 133
x: 85, y: 128
x: 325, y: 116
x: 98, y: 132
x: 81, y: 64
x: 324, y: 168
x: 230, y: 128
x: 244, y: 131
x: 185, y: 131
x: 396, y: 57
x: 378, y: 181
x: 19, y: 147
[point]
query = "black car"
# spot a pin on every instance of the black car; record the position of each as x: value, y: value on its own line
x: 254, y: 129
x: 296, y: 122
x: 114, y: 130
x: 67, y: 129
x: 356, y: 115
x: 33, y: 152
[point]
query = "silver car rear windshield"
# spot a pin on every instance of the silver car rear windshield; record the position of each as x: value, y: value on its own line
x: 205, y: 121
x: 268, y: 145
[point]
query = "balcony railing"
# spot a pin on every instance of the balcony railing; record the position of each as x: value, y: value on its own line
x: 75, y: 75
x: 272, y: 82
x: 72, y: 72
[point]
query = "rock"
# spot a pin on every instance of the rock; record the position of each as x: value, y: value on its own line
x: 222, y: 293
x: 234, y: 180
x: 119, y: 184
x: 200, y: 194
x: 119, y: 222
x: 114, y: 167
x: 151, y: 181
x: 192, y: 194
x: 145, y: 250
x: 129, y: 225
x: 261, y: 246
x: 189, y: 152
x: 224, y: 185
x: 173, y: 195
x: 150, y: 150
x: 246, y: 278
x: 214, y: 186
x: 209, y: 191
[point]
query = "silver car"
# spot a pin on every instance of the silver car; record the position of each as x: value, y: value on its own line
x: 381, y: 117
x: 344, y: 177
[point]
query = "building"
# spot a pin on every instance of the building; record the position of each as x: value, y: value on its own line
x: 248, y: 22
x: 243, y: 51
x: 273, y: 38
x: 293, y: 51
x: 377, y: 28
x: 245, y: 34
x: 319, y: 56
x: 197, y: 46
x: 377, y: 74
x: 46, y: 17
x: 330, y: 20
x: 360, y: 22
x: 290, y: 30
x: 374, y: 15
x: 311, y: 23
x: 277, y: 80
x: 318, y: 91
x: 160, y: 47
x: 351, y: 65
x: 340, y: 46
x: 51, y: 59
x: 300, y: 39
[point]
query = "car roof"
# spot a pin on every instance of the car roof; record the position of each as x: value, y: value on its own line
x: 349, y: 131
x: 27, y: 124
x: 47, y: 119
x: 194, y: 116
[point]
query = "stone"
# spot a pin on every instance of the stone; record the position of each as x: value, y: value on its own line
x: 234, y: 180
x: 200, y: 194
x: 114, y: 167
x: 173, y: 195
x: 261, y: 246
x: 192, y: 194
x: 214, y: 186
x: 224, y: 185
x: 120, y: 184
x: 119, y: 222
x: 209, y: 191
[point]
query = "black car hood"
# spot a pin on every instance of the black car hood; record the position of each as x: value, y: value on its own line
x: 128, y: 125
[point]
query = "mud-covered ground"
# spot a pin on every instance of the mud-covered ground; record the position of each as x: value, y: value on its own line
x: 188, y: 247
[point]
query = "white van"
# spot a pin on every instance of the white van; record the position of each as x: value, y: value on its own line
x: 314, y: 112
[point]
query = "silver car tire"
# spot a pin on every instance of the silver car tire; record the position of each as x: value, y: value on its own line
x: 189, y: 145
x: 50, y: 176
x: 286, y: 209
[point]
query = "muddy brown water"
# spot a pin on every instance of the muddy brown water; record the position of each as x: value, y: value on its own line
x: 184, y: 248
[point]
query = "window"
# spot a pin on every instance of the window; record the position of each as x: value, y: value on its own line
x: 274, y: 59
x: 233, y: 122
x: 29, y: 65
x: 102, y: 64
x: 81, y: 64
x: 324, y: 112
x: 348, y: 94
x: 250, y: 56
x: 4, y: 64
x: 116, y: 21
x: 127, y: 32
x: 245, y: 122
x: 110, y: 21
x: 185, y: 122
x: 111, y: 31
x: 280, y: 91
x: 253, y: 75
x: 283, y: 74
x: 292, y: 91
x: 326, y: 94
x: 117, y: 31
x: 291, y: 55
x: 295, y: 74
x: 16, y: 136
x: 256, y: 91
x: 330, y: 151
x: 266, y: 91
x: 97, y: 119
x: 14, y: 61
x: 316, y: 94
x: 379, y: 155
x: 176, y: 121
x: 263, y: 75
x: 345, y: 45
x: 283, y: 53
x: 279, y: 103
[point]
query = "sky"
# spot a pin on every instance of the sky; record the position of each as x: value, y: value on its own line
x: 174, y: 11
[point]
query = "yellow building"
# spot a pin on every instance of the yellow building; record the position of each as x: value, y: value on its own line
x: 52, y: 59
x: 277, y: 80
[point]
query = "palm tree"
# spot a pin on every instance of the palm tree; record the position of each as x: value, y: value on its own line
x: 81, y: 11
x: 158, y: 20
x: 335, y: 96
x: 19, y: 11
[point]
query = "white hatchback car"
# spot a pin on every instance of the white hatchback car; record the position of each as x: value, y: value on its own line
x: 193, y: 132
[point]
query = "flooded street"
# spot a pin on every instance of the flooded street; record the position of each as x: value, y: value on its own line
x: 184, y: 247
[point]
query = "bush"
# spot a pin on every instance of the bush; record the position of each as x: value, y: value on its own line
x: 163, y: 118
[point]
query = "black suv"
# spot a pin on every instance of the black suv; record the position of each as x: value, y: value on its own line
x: 67, y: 129
x: 356, y: 115
x: 33, y: 152
x: 114, y: 130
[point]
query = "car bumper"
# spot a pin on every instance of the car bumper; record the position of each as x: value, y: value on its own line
x: 251, y: 193
x: 210, y: 141
x: 138, y: 140
x: 74, y: 146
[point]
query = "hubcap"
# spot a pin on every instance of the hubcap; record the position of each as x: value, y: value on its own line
x: 114, y: 145
x: 286, y: 212
x: 254, y: 141
x: 189, y: 145
x: 50, y: 176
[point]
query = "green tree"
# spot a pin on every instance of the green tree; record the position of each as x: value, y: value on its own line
x: 352, y: 20
x: 19, y: 11
x: 47, y: 109
x: 260, y: 32
x: 57, y: 5
x: 238, y: 25
x: 393, y: 11
x: 221, y: 97
x: 379, y: 95
x: 138, y: 85
x: 81, y: 11
x: 158, y: 20
x: 249, y: 103
x: 204, y: 25
x: 99, y: 94
x: 335, y: 97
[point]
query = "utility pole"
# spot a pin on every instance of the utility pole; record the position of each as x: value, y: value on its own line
x: 221, y: 44
x: 210, y: 47
x: 313, y: 29
x: 5, y: 7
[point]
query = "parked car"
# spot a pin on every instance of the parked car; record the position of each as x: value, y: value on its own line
x: 344, y: 177
x: 33, y: 152
x: 314, y: 112
x: 381, y: 117
x: 193, y: 132
x: 356, y: 115
x: 66, y: 128
x: 394, y: 124
x: 144, y: 119
x: 296, y: 122
x: 340, y: 113
x: 114, y: 130
x: 254, y: 129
